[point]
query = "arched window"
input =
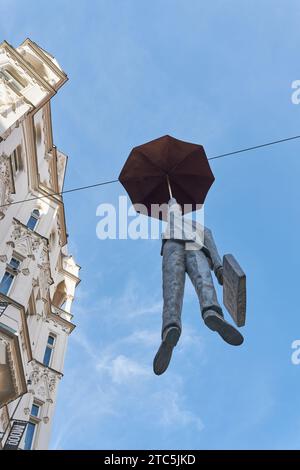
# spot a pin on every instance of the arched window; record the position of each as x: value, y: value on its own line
x: 33, y: 219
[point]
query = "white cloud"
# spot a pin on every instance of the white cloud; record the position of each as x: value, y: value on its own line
x: 130, y: 304
x: 135, y: 303
x: 150, y: 309
x: 86, y: 345
x: 113, y: 366
x: 172, y: 412
x: 146, y: 338
x: 121, y: 368
x: 125, y: 360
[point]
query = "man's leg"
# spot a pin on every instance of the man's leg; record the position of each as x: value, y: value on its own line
x: 173, y: 290
x: 200, y: 274
x: 173, y: 271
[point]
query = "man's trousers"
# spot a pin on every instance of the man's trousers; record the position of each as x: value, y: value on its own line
x: 176, y: 262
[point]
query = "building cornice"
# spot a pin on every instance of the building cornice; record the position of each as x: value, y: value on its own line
x: 34, y: 232
x: 62, y: 321
x: 46, y: 368
x: 63, y: 271
x: 41, y: 54
x: 18, y: 57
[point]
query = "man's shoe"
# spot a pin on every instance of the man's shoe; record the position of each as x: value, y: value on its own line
x: 229, y: 333
x: 164, y: 354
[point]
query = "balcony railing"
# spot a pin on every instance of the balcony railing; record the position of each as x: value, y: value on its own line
x: 62, y: 313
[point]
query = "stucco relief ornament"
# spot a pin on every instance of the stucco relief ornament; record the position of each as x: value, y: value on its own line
x: 49, y: 402
x: 4, y: 417
x: 26, y: 243
x: 11, y: 365
x: 17, y: 231
x: 60, y: 164
x: 41, y: 391
x: 45, y: 279
x: 28, y: 398
x: 59, y: 229
x: 6, y: 184
x: 35, y: 245
x: 8, y: 99
x: 35, y: 376
x: 52, y: 383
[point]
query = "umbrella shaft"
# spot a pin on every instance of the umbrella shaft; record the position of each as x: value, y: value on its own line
x: 169, y: 187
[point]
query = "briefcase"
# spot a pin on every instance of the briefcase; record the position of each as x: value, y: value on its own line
x: 234, y: 289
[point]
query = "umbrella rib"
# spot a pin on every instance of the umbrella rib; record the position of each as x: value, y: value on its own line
x: 178, y: 163
x: 153, y: 164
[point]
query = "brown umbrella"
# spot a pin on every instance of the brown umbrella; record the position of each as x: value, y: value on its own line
x: 167, y: 167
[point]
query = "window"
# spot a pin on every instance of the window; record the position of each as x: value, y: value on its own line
x: 9, y: 275
x: 32, y: 426
x: 49, y: 350
x: 6, y: 282
x: 35, y: 410
x: 33, y: 219
x: 14, y: 263
x: 16, y: 160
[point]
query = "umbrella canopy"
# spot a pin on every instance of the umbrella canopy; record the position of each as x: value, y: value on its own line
x: 152, y: 166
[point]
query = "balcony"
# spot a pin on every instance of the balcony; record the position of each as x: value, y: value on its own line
x: 12, y: 378
x: 61, y: 313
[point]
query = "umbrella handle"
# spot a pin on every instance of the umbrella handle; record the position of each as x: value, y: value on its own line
x: 169, y: 187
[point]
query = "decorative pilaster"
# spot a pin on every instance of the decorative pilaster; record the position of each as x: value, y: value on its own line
x: 6, y: 184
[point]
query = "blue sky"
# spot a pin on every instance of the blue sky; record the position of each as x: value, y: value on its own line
x: 217, y: 73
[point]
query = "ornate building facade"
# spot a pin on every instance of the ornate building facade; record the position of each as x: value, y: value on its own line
x: 37, y: 275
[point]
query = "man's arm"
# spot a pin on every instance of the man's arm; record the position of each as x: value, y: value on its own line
x: 215, y: 257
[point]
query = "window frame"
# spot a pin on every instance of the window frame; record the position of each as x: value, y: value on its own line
x: 3, y: 282
x: 34, y: 216
x: 34, y: 425
x: 34, y: 421
x: 38, y: 410
x: 50, y: 347
x: 12, y: 271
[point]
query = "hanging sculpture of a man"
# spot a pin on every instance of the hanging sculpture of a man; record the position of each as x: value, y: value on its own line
x: 188, y: 247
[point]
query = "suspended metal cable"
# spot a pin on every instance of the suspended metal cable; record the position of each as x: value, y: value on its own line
x: 81, y: 188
